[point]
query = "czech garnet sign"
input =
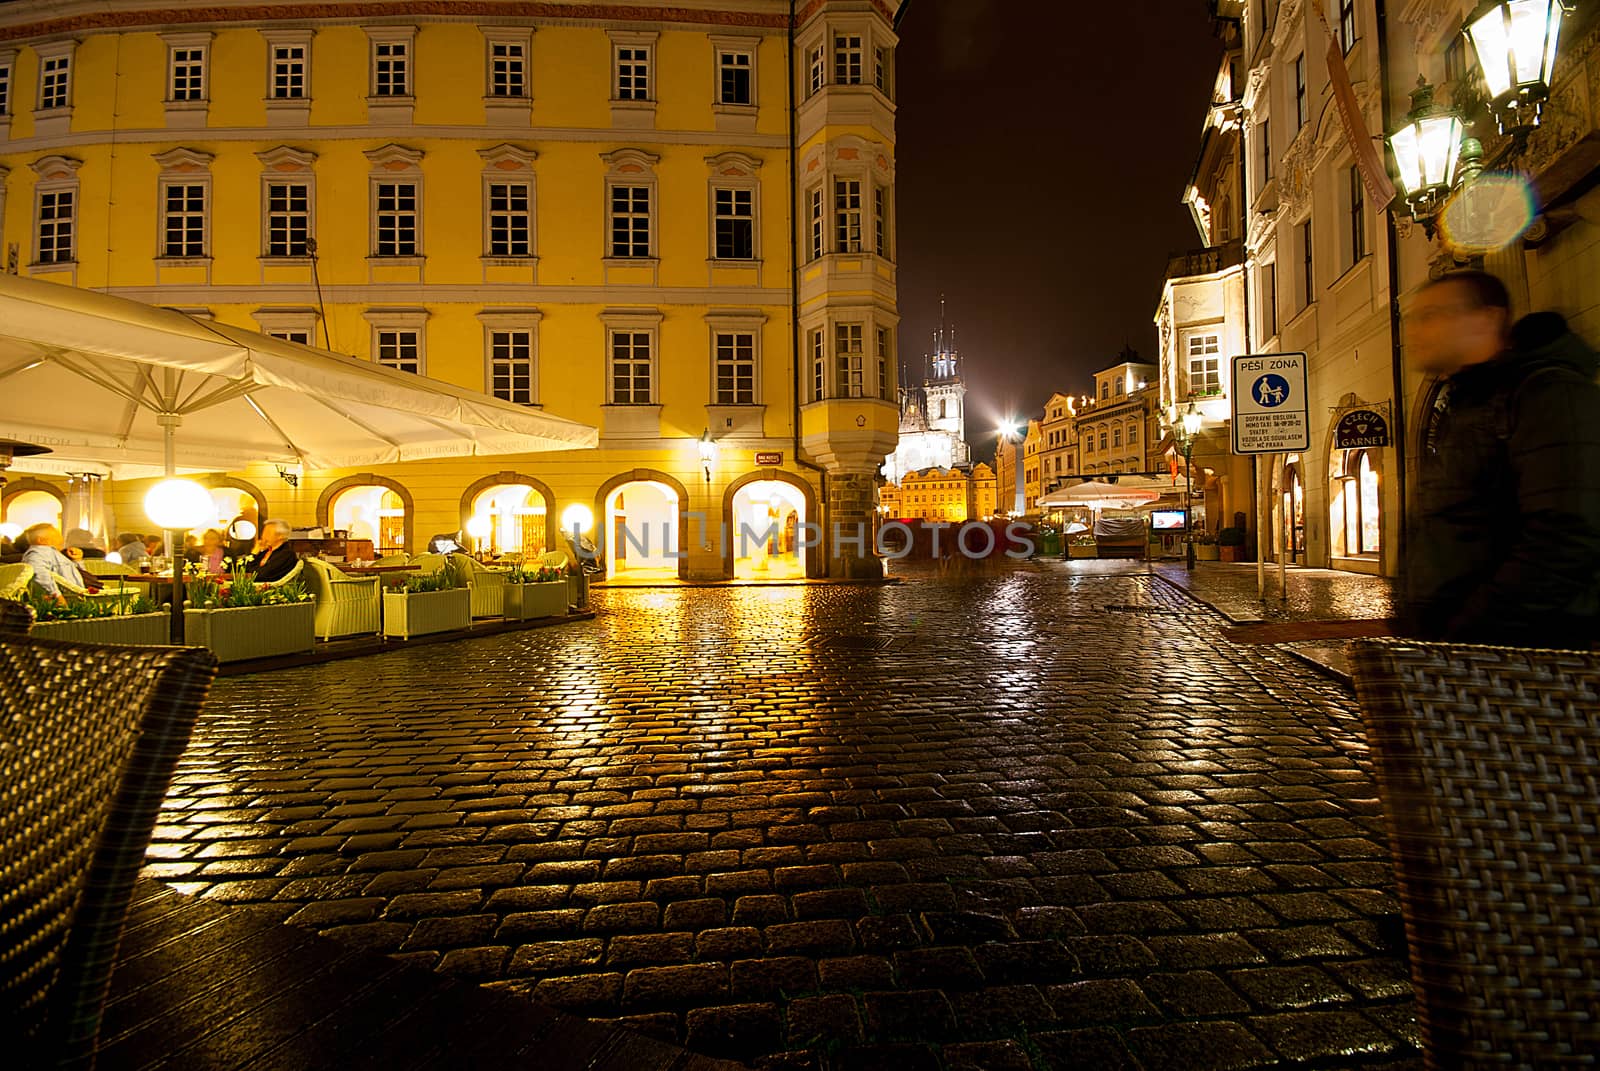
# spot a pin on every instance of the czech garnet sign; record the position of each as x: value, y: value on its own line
x: 1361, y: 428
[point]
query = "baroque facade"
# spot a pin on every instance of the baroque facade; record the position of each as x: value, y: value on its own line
x: 586, y: 210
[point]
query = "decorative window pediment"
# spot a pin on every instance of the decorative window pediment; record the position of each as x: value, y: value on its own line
x: 508, y: 157
x: 184, y: 161
x: 283, y: 158
x: 56, y: 168
x: 733, y: 165
x: 394, y: 157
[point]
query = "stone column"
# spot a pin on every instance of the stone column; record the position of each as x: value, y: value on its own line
x: 849, y: 539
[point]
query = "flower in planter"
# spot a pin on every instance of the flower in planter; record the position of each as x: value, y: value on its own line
x: 540, y: 574
x: 80, y: 609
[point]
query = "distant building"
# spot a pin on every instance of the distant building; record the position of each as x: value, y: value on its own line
x: 933, y: 414
x: 952, y: 495
x: 1118, y: 426
x: 1058, y: 454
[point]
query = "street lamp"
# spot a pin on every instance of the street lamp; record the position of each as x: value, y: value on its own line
x: 178, y: 505
x: 1188, y: 430
x: 1516, y: 42
x: 708, y: 453
x: 1427, y: 151
x: 1007, y: 431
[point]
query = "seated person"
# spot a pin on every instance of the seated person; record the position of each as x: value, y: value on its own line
x: 85, y: 542
x: 211, y: 551
x: 130, y: 545
x: 50, y: 564
x: 274, y: 558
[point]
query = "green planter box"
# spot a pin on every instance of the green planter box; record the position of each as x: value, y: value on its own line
x: 419, y: 613
x: 146, y: 630
x: 1206, y: 552
x: 239, y: 633
x: 527, y: 601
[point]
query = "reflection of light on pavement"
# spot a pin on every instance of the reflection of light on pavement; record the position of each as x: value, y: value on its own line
x: 1488, y: 213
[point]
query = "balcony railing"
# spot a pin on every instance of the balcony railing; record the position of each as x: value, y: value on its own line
x: 1210, y: 259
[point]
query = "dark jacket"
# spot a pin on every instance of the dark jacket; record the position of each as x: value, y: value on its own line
x: 1506, y: 544
x: 272, y: 566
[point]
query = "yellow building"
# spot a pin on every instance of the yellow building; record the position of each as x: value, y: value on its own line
x: 983, y: 488
x: 675, y: 224
x: 1032, y: 446
x: 938, y: 495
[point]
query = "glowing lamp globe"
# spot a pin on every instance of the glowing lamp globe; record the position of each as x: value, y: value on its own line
x: 1427, y: 152
x: 577, y: 518
x: 113, y: 558
x: 1516, y: 42
x: 479, y: 527
x: 178, y: 503
x: 1192, y: 420
x: 10, y: 530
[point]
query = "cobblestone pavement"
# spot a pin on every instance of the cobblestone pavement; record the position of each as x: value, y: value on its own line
x: 1023, y: 819
x: 1314, y: 594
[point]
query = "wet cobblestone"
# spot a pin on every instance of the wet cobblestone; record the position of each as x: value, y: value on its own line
x: 975, y: 821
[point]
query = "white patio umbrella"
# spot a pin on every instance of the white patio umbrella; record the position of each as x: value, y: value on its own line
x: 1097, y: 494
x: 136, y: 390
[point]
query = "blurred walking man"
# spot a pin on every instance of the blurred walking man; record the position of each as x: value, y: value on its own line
x: 1505, y: 548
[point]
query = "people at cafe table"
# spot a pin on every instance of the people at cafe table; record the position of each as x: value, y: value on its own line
x: 50, y: 565
x: 274, y: 558
x: 211, y: 551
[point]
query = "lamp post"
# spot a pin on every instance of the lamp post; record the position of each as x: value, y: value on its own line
x: 1189, y: 429
x: 178, y: 505
x: 1516, y: 42
x: 1007, y: 432
x: 708, y: 453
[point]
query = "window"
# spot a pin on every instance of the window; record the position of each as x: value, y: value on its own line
x: 847, y: 358
x: 400, y: 349
x: 290, y: 72
x: 1116, y: 437
x: 302, y: 337
x: 1205, y: 363
x: 1133, y: 434
x: 633, y: 72
x: 511, y: 366
x: 736, y: 367
x: 817, y: 70
x: 183, y: 220
x: 288, y: 218
x: 734, y: 224
x: 847, y: 215
x: 507, y: 71
x: 884, y: 348
x: 818, y: 365
x: 1347, y: 25
x: 1363, y: 528
x: 630, y: 221
x: 1459, y: 63
x: 818, y: 224
x: 1299, y: 92
x: 1358, y: 215
x: 57, y: 219
x: 188, y: 74
x: 5, y: 85
x: 396, y: 212
x: 391, y: 69
x: 1118, y: 385
x: 1265, y: 133
x: 1105, y: 391
x: 1308, y: 279
x: 847, y: 59
x: 630, y: 368
x: 1103, y: 441
x: 880, y: 220
x: 55, y: 82
x: 882, y: 69
x: 734, y: 71
x: 509, y: 220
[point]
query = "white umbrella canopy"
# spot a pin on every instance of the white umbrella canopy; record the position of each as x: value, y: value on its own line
x: 137, y: 390
x: 1097, y: 494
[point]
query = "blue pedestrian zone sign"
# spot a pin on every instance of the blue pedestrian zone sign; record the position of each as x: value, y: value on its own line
x: 1270, y: 411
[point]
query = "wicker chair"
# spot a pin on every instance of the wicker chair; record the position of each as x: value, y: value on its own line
x: 1488, y: 762
x: 297, y: 573
x: 393, y: 559
x: 487, y: 586
x: 101, y: 567
x: 82, y: 778
x: 14, y: 580
x: 346, y: 605
x: 429, y: 563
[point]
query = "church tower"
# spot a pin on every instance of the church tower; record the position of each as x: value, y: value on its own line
x: 945, y: 392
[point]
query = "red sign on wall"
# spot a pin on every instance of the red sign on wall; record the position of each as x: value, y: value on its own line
x: 768, y: 459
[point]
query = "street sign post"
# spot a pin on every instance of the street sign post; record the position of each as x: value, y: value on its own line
x: 1271, y: 406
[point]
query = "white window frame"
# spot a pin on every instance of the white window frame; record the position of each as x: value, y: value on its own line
x: 1207, y: 354
x: 288, y: 107
x: 734, y: 172
x: 286, y: 166
x: 1301, y: 92
x: 186, y: 43
x: 1354, y: 198
x: 1344, y: 25
x: 882, y: 220
x: 638, y: 113
x: 817, y: 348
x: 391, y: 107
x: 8, y: 87
x: 57, y: 175
x: 284, y: 322
x: 1306, y: 249
x: 841, y: 49
x: 842, y: 214
x: 816, y: 72
x: 522, y: 41
x: 183, y: 167
x: 399, y: 320
x: 509, y: 165
x: 511, y: 321
x: 723, y: 324
x: 632, y: 322
x: 849, y: 358
x: 396, y: 165
x: 883, y: 69
x: 884, y: 336
x: 816, y: 199
x: 48, y: 54
x: 632, y: 168
x: 748, y: 47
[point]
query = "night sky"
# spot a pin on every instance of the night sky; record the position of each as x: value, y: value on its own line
x: 1042, y: 147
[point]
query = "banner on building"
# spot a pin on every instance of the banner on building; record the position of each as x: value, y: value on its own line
x: 1363, y: 147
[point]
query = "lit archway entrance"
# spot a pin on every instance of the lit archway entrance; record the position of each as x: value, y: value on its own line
x: 28, y: 502
x: 235, y: 501
x: 765, y: 531
x: 518, y: 519
x: 368, y: 511
x: 641, y: 527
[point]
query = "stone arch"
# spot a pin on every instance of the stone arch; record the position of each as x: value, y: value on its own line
x: 644, y: 476
x: 241, y: 485
x: 552, y: 523
x: 13, y: 488
x: 369, y: 479
x: 814, y: 562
